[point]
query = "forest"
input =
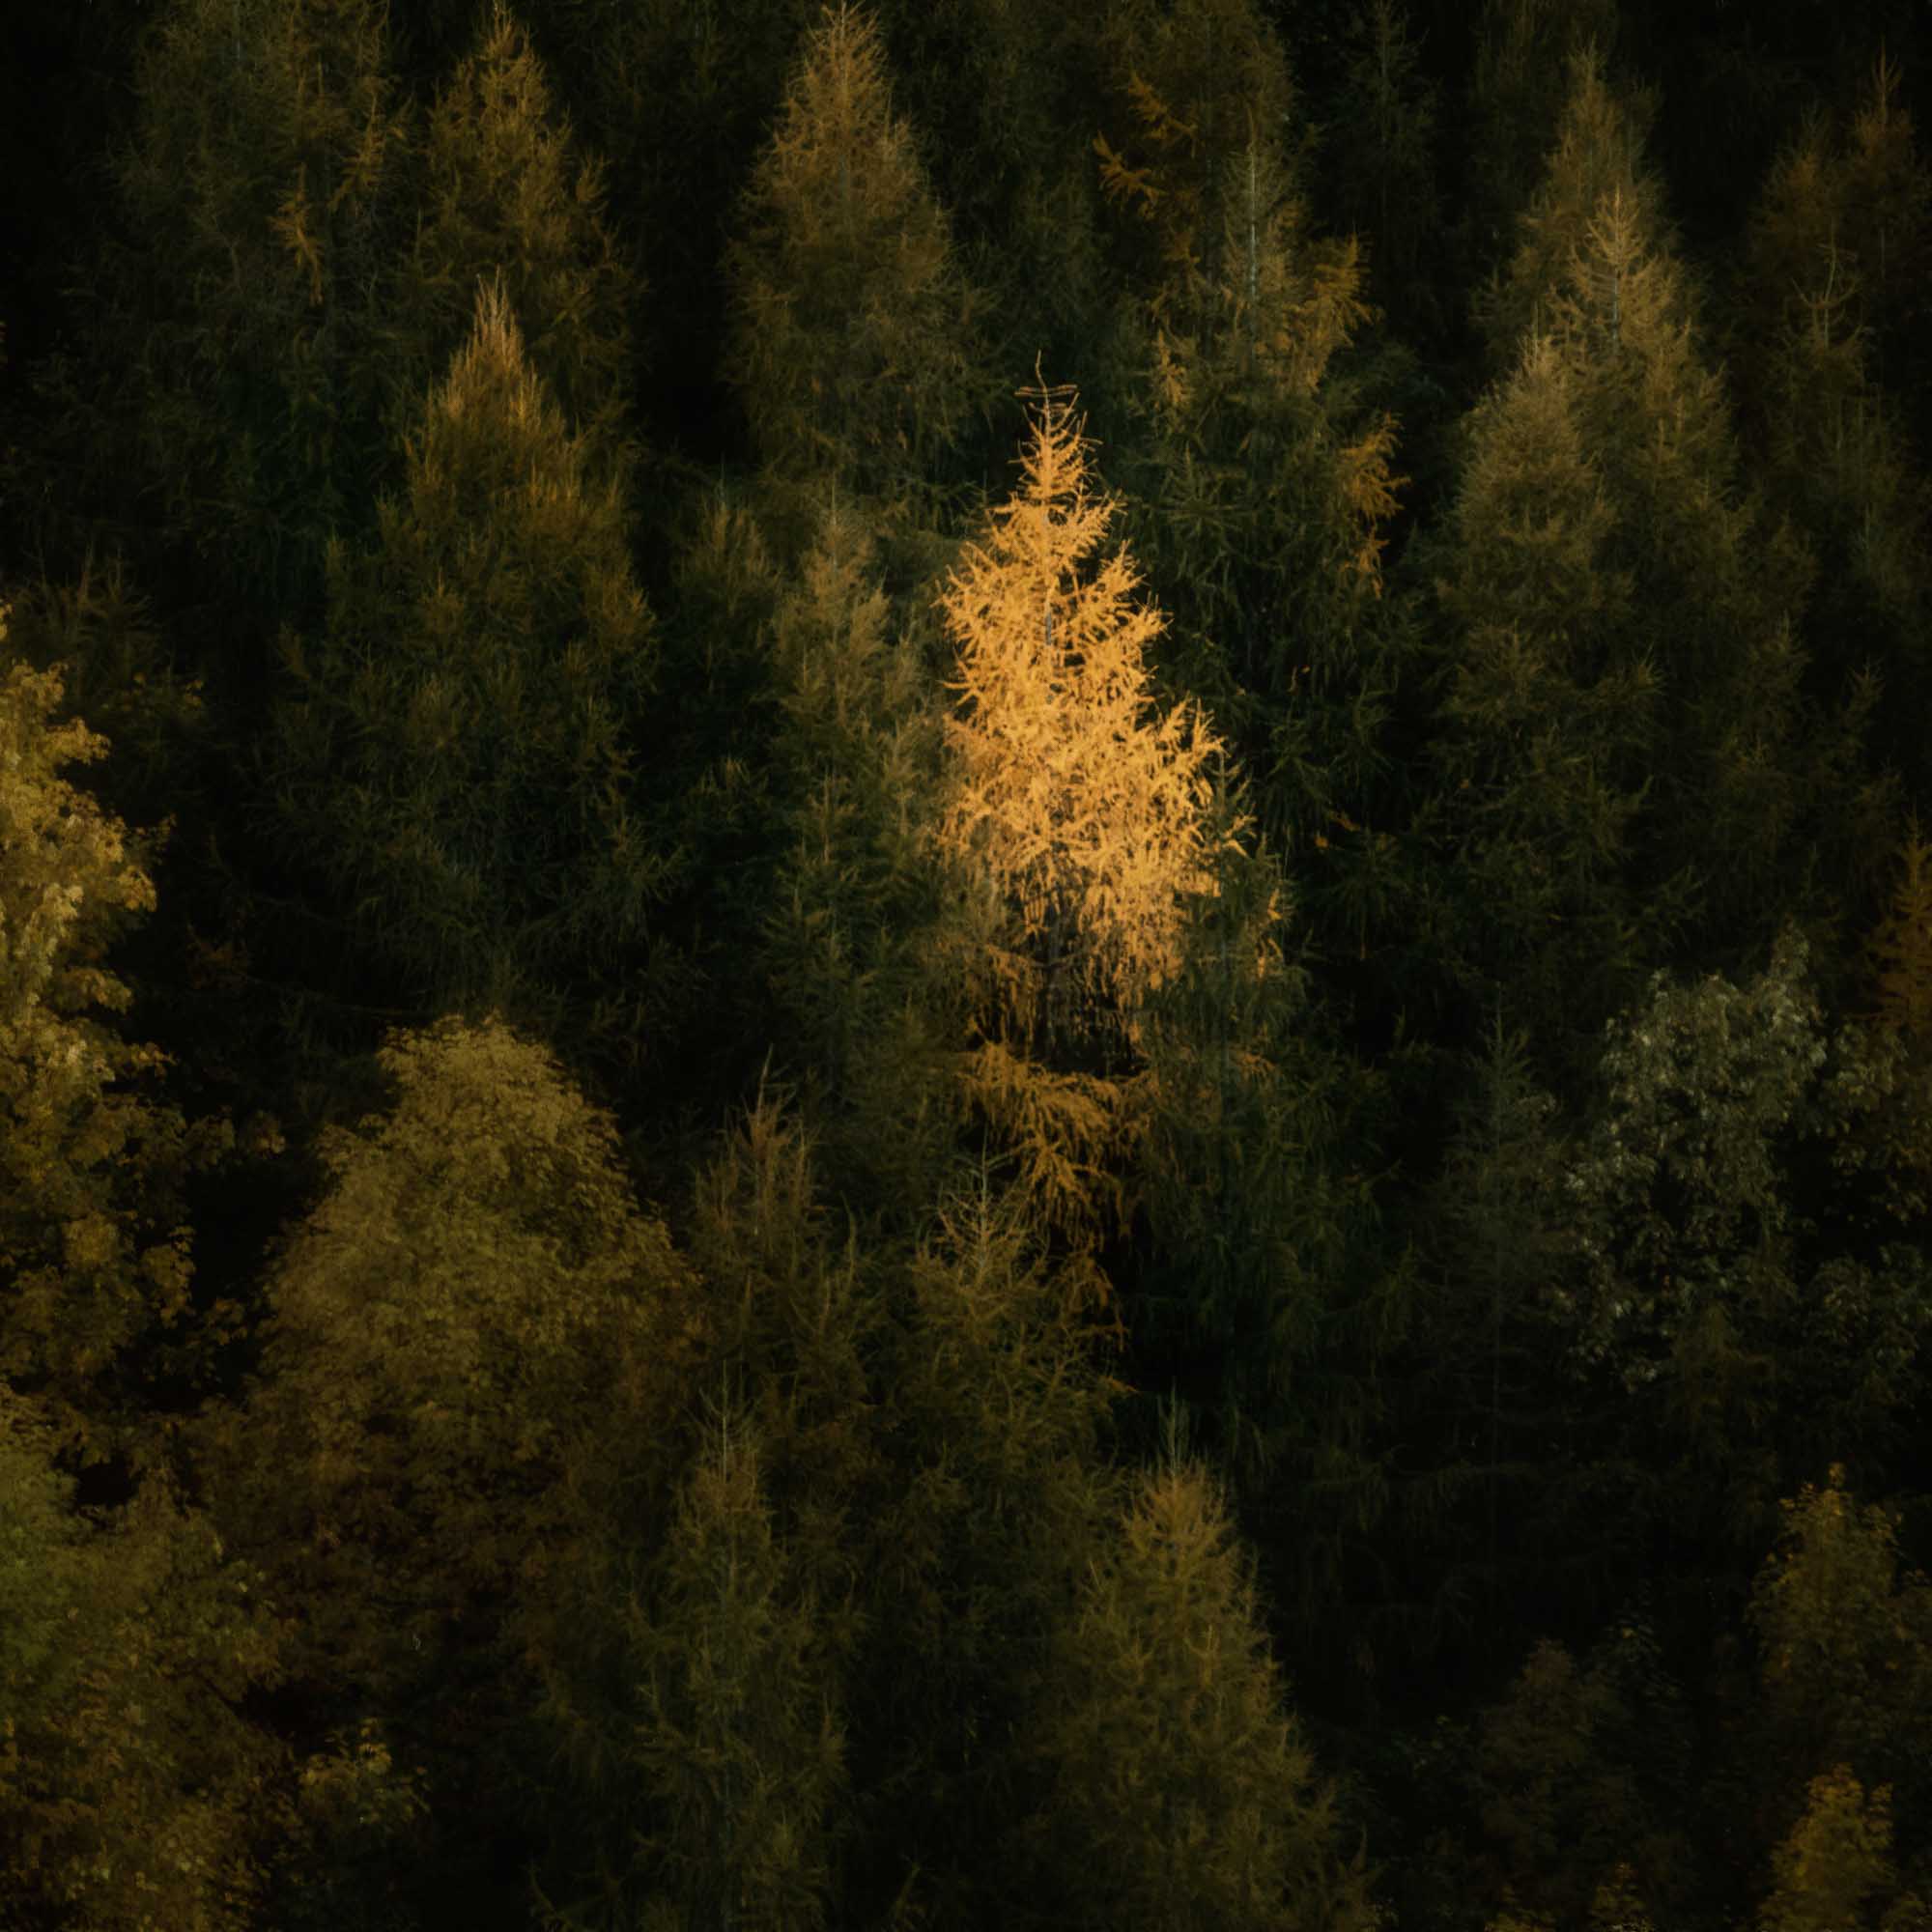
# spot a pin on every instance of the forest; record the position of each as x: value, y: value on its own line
x: 965, y: 966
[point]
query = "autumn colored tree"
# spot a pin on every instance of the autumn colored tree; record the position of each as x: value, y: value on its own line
x: 455, y: 755
x: 852, y: 335
x: 94, y: 1245
x: 1181, y: 1792
x: 1075, y: 818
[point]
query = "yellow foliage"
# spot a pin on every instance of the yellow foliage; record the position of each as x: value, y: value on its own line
x: 1081, y: 803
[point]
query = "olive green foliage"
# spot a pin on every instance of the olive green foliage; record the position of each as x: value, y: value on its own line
x: 131, y: 1794
x: 455, y: 751
x: 738, y: 1751
x: 1581, y: 1778
x: 846, y: 921
x: 1382, y: 157
x: 1845, y: 1656
x: 503, y: 187
x: 1631, y: 760
x: 1819, y: 291
x: 1835, y: 1871
x: 1177, y: 1769
x: 852, y: 335
x: 93, y: 1246
x: 475, y: 1290
x: 993, y: 1397
x: 693, y: 1634
x: 1518, y: 86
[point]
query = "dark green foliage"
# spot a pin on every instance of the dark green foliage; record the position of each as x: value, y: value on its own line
x: 458, y: 750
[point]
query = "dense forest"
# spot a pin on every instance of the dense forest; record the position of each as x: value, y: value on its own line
x: 965, y: 965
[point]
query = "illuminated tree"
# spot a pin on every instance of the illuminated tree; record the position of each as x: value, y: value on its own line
x: 1076, y: 814
x: 94, y: 1249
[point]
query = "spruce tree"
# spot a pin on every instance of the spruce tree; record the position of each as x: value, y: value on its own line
x: 851, y: 342
x: 1181, y: 1793
x: 455, y: 755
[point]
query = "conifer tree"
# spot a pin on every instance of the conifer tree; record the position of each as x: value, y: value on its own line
x: 1677, y: 631
x: 259, y: 196
x: 1383, y: 162
x: 739, y: 1755
x: 1076, y: 819
x: 846, y: 918
x: 503, y: 187
x: 1518, y: 86
x: 852, y: 332
x: 1262, y: 488
x: 1816, y: 301
x: 993, y: 1399
x: 1181, y: 1793
x: 456, y: 753
x: 698, y: 1623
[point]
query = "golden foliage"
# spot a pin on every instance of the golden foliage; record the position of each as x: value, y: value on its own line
x: 1082, y: 805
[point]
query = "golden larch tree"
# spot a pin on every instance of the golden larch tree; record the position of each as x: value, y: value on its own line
x: 1078, y: 804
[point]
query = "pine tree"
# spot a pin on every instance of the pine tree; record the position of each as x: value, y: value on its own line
x: 503, y: 189
x: 1815, y: 302
x: 259, y: 197
x: 851, y: 339
x: 739, y: 1761
x: 993, y: 1402
x: 845, y: 922
x: 1518, y: 87
x: 456, y: 754
x: 1182, y: 1795
x: 1075, y: 816
x: 1382, y: 162
x: 1260, y: 490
